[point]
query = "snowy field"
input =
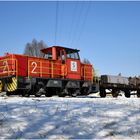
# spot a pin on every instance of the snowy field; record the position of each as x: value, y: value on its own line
x: 69, y: 118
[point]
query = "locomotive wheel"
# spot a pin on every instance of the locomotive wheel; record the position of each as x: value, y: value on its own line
x: 21, y: 92
x: 75, y: 93
x: 38, y: 95
x: 39, y: 89
x: 84, y: 91
x: 25, y: 93
x: 138, y: 93
x: 8, y: 93
x: 48, y: 92
x: 63, y: 93
x: 11, y: 93
x: 102, y: 92
x: 72, y: 93
x: 115, y: 93
x: 127, y: 94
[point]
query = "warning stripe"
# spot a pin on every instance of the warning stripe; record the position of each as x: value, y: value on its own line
x: 12, y: 86
x: 9, y: 88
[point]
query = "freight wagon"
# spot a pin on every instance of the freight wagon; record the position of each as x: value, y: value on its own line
x: 118, y: 83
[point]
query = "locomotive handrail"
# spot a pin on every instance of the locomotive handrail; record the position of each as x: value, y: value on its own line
x: 65, y: 68
x: 52, y: 69
x: 92, y: 77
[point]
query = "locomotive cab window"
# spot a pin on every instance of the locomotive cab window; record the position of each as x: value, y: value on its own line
x: 73, y: 55
x: 48, y: 55
x: 57, y: 54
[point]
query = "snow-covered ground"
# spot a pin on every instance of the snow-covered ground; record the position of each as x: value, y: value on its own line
x: 69, y: 118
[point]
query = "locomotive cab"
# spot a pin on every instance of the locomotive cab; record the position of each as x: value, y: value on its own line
x: 68, y: 58
x: 57, y: 52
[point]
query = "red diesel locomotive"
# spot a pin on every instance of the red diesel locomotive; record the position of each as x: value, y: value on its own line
x: 59, y: 72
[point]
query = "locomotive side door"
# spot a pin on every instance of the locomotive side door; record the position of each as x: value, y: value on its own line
x: 73, y: 64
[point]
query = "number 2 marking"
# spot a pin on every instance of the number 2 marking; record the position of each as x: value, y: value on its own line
x: 5, y: 63
x: 34, y: 64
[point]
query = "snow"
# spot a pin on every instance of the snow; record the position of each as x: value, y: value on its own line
x: 69, y: 118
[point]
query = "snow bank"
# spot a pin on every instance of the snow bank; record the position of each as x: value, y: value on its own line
x: 69, y: 118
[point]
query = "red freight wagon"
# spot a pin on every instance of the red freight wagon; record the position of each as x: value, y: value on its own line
x: 60, y: 72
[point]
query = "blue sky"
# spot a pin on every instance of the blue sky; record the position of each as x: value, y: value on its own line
x: 107, y: 33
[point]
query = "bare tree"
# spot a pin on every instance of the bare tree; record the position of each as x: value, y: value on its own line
x: 96, y: 77
x: 86, y: 61
x: 33, y: 48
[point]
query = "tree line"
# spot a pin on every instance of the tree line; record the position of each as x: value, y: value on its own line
x: 33, y: 49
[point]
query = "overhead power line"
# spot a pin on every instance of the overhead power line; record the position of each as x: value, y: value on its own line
x: 77, y: 19
x: 56, y: 22
x: 74, y: 15
x: 80, y: 32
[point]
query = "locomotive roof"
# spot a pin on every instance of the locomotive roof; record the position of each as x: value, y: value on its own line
x: 59, y: 48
